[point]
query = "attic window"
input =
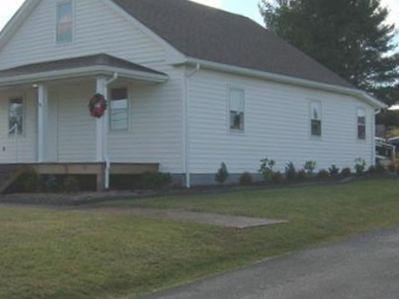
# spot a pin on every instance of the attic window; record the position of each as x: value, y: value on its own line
x: 64, y: 22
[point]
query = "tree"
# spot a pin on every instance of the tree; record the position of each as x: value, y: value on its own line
x: 350, y: 37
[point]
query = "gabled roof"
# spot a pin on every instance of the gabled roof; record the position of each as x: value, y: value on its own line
x: 210, y: 34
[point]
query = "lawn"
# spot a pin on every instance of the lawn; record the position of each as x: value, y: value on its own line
x: 98, y: 254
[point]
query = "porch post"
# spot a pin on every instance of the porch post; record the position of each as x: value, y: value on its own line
x: 101, y: 123
x: 42, y: 111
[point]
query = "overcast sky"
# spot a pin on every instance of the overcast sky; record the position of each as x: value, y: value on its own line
x: 247, y: 7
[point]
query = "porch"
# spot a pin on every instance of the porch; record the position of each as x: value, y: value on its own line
x: 49, y: 127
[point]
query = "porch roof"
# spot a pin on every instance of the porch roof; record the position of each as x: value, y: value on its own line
x: 99, y: 64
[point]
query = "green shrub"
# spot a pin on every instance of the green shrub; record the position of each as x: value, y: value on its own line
x: 360, y: 166
x: 372, y: 170
x: 31, y: 181
x: 310, y: 167
x: 277, y: 177
x: 266, y: 169
x: 346, y: 172
x: 154, y: 180
x: 392, y: 168
x: 302, y: 175
x: 246, y: 179
x: 52, y: 184
x: 323, y: 174
x: 290, y: 171
x: 222, y: 175
x: 333, y: 170
x: 71, y: 184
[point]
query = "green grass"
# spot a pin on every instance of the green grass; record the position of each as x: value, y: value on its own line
x: 86, y: 254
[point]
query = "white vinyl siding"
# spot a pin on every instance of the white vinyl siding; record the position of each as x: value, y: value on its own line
x: 276, y: 126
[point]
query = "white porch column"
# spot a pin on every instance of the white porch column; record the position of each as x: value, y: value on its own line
x: 101, y: 123
x: 42, y: 116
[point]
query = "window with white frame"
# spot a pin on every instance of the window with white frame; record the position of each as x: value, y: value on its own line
x: 316, y: 118
x: 64, y: 21
x: 361, y: 124
x: 237, y: 109
x: 119, y: 109
x: 16, y: 116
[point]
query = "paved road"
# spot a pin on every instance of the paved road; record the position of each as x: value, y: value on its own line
x: 366, y: 267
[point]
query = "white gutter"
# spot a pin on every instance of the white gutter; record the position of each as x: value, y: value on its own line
x: 187, y: 124
x: 287, y: 80
x: 82, y: 72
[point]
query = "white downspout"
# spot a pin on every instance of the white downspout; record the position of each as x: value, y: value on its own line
x: 187, y: 123
x: 106, y: 156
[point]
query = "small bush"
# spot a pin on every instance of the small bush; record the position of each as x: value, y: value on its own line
x: 392, y: 168
x: 246, y: 179
x: 71, y: 184
x: 380, y: 169
x: 52, y: 184
x: 277, y: 177
x: 31, y: 181
x: 346, y: 172
x: 372, y: 170
x: 334, y: 171
x: 154, y: 181
x: 310, y: 167
x: 290, y: 171
x: 360, y: 166
x: 302, y: 175
x: 266, y: 169
x: 222, y: 175
x: 323, y: 174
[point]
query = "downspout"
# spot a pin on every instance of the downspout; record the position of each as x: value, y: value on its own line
x: 106, y: 156
x: 187, y: 123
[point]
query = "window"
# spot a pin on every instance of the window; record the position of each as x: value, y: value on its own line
x: 237, y: 109
x: 64, y: 22
x: 315, y: 118
x: 16, y: 117
x: 119, y: 113
x: 361, y: 124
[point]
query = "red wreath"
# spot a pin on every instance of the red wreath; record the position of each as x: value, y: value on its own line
x: 97, y: 105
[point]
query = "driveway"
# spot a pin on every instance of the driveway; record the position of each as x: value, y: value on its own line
x: 365, y: 267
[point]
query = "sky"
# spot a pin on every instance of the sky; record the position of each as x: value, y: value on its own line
x: 244, y: 7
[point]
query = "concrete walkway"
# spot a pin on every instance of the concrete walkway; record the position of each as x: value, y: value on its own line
x: 366, y: 268
x: 197, y: 217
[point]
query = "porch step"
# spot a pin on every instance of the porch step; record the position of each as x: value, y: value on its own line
x: 9, y: 174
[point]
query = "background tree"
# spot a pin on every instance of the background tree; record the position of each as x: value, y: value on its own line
x: 350, y: 37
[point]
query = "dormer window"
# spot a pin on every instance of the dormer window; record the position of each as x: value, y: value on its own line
x: 64, y: 22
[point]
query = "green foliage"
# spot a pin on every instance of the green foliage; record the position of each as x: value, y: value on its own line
x: 302, y: 175
x: 380, y: 169
x: 346, y: 172
x: 71, y: 184
x: 333, y: 170
x: 290, y: 171
x: 266, y: 169
x: 52, y: 183
x: 246, y: 179
x: 154, y: 181
x: 323, y: 174
x: 222, y: 175
x: 277, y: 177
x: 352, y: 38
x: 360, y: 166
x: 392, y: 168
x: 310, y: 166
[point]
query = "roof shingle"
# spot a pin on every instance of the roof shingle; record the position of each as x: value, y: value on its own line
x: 214, y: 35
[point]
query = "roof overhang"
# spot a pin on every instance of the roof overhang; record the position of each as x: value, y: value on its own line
x: 359, y: 94
x: 82, y: 72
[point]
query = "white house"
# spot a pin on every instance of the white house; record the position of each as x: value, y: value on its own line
x: 188, y: 87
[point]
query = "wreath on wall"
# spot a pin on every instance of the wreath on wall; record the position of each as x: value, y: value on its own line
x: 97, y: 105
